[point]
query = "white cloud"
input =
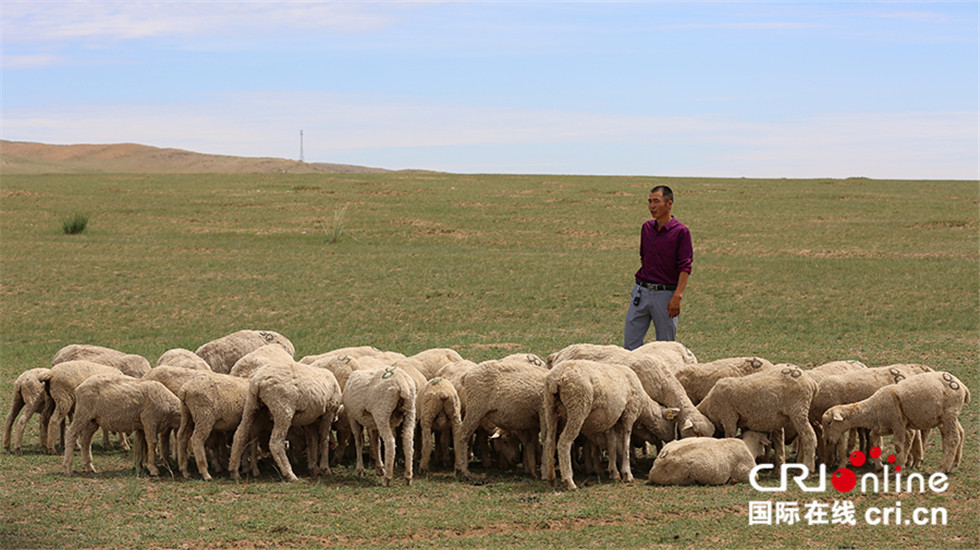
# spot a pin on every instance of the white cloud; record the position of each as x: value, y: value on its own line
x: 101, y: 21
x: 29, y: 61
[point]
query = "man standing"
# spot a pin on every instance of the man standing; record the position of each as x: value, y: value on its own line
x: 666, y: 255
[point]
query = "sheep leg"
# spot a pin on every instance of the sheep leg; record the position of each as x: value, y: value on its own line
x: 577, y: 414
x: 183, y: 439
x: 242, y: 434
x: 358, y: 436
x: 202, y: 430
x: 323, y: 432
x: 15, y: 408
x: 425, y: 425
x: 408, y: 439
x: 952, y: 442
x: 57, y: 420
x: 282, y: 419
x: 959, y: 448
x: 385, y: 431
x: 81, y: 434
x: 549, y: 432
x: 151, y: 435
x: 376, y: 451
x: 611, y: 438
x: 47, y: 408
x: 527, y: 439
x: 625, y: 436
x: 471, y: 421
x: 779, y: 447
x: 808, y: 441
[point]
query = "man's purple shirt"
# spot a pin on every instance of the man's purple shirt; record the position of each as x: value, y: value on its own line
x: 665, y: 253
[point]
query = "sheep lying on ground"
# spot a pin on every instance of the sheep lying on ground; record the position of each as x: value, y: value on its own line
x: 29, y: 398
x: 707, y: 460
x: 121, y: 403
x: 380, y: 400
x: 766, y: 401
x: 439, y: 411
x: 222, y: 353
x: 185, y: 358
x: 599, y: 400
x: 698, y: 379
x: 922, y: 402
x: 210, y: 403
x: 127, y: 363
x: 295, y: 395
x: 503, y: 395
x: 60, y: 383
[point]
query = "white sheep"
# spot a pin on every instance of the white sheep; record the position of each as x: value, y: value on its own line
x: 353, y: 351
x: 651, y: 363
x: 663, y: 387
x: 590, y: 352
x: 120, y: 403
x: 438, y: 410
x: 222, y: 353
x: 766, y: 401
x: 295, y: 395
x: 172, y: 377
x: 212, y: 403
x: 60, y: 383
x: 699, y: 378
x: 431, y: 360
x: 180, y: 357
x: 380, y: 400
x: 921, y: 402
x: 127, y: 363
x: 503, y: 395
x: 851, y: 387
x: 252, y: 361
x: 673, y: 354
x: 706, y: 460
x: 29, y: 398
x: 599, y: 400
x: 832, y: 368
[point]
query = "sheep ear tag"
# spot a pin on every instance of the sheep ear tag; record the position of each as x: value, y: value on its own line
x: 671, y: 413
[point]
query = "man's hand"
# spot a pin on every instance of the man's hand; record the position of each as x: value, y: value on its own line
x: 674, y: 306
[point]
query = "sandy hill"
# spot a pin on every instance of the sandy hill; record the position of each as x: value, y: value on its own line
x: 17, y: 157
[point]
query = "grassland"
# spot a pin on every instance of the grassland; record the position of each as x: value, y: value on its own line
x: 795, y: 271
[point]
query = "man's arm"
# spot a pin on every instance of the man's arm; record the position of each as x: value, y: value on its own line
x: 674, y: 306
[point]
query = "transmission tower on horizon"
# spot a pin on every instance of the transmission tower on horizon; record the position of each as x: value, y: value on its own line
x: 301, y: 146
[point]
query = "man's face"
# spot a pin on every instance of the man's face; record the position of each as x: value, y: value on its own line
x: 658, y: 206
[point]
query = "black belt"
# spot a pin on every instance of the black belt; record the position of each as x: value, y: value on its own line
x: 656, y: 286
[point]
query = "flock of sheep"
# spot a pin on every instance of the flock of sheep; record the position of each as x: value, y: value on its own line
x: 242, y: 397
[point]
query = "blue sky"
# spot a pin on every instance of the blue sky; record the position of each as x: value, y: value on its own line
x: 754, y: 89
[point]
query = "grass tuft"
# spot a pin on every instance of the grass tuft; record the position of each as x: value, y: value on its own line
x: 74, y: 224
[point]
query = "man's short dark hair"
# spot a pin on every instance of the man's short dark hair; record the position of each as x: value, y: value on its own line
x: 665, y: 191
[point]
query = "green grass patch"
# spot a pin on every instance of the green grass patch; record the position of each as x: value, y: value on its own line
x: 74, y: 224
x: 801, y: 271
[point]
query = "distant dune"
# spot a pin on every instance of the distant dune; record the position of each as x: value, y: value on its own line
x: 17, y: 157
